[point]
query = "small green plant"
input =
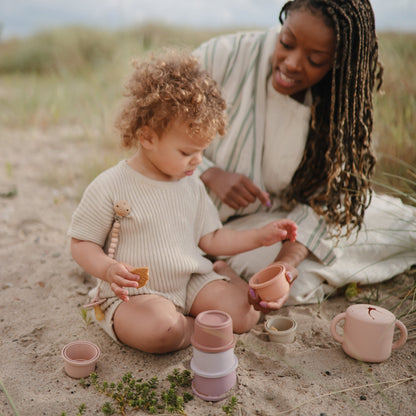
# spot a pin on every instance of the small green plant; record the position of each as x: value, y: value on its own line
x: 135, y: 394
x: 9, y: 169
x: 353, y: 290
x: 85, y: 316
x: 181, y: 378
x: 230, y: 407
x: 108, y: 409
x: 81, y: 410
x: 9, y: 399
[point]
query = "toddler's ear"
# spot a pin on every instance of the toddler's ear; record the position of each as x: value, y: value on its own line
x: 146, y: 137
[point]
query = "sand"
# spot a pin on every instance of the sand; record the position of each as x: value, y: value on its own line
x: 42, y: 290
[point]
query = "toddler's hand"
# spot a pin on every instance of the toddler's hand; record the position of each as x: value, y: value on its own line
x: 119, y: 277
x: 277, y: 231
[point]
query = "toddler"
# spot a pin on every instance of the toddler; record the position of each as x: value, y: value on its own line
x: 171, y: 113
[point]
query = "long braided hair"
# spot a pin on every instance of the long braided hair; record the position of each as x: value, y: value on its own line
x: 338, y: 162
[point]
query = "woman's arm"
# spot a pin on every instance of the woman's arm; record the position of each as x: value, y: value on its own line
x: 291, y: 255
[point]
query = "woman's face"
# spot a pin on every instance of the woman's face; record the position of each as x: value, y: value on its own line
x: 303, y: 54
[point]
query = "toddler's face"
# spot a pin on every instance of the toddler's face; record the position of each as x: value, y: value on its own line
x: 303, y: 54
x: 175, y: 154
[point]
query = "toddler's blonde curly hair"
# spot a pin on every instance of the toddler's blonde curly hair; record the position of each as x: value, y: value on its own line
x: 169, y: 87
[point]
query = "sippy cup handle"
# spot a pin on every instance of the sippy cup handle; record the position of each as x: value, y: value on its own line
x: 403, y: 335
x: 333, y: 327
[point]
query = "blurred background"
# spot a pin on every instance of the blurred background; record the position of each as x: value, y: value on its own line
x: 24, y: 17
x: 64, y: 63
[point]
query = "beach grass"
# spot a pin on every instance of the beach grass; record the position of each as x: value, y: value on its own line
x: 74, y: 77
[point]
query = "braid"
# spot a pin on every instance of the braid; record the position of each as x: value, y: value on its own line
x: 337, y: 185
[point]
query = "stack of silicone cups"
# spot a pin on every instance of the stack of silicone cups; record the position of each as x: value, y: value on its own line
x: 213, y: 363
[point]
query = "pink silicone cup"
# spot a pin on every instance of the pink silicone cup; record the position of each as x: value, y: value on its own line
x: 368, y: 332
x: 213, y: 331
x: 80, y: 358
x: 270, y: 283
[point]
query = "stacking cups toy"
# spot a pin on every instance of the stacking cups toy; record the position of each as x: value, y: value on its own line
x: 214, y: 362
x: 270, y: 283
x: 80, y: 358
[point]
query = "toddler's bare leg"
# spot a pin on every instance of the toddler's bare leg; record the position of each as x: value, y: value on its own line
x: 230, y: 297
x: 152, y: 324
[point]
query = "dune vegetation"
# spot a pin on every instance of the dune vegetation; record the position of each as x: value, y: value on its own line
x: 74, y: 76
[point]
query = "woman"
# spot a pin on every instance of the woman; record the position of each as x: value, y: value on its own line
x: 299, y: 139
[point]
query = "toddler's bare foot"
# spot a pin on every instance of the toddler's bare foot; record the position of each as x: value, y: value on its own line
x: 222, y: 268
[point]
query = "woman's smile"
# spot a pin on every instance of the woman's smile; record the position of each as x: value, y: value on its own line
x: 283, y: 79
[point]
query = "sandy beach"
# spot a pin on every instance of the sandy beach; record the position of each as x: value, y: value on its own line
x: 43, y: 289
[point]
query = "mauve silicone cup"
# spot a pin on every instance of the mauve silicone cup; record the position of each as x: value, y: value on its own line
x: 213, y: 331
x: 80, y: 358
x: 214, y: 387
x: 281, y: 329
x: 270, y: 283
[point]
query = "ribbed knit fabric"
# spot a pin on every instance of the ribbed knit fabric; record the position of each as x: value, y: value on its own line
x: 162, y: 232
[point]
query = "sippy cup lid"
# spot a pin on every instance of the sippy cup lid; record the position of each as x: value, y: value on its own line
x: 371, y: 313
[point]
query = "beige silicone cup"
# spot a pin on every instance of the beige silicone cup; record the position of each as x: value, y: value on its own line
x: 213, y: 331
x: 80, y: 358
x: 281, y: 329
x: 270, y: 283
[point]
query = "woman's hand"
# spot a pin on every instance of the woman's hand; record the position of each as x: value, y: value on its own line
x: 290, y: 255
x: 234, y: 189
x: 265, y: 307
x: 119, y: 277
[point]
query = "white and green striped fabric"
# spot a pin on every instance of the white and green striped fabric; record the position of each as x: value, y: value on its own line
x: 266, y: 131
x: 265, y: 140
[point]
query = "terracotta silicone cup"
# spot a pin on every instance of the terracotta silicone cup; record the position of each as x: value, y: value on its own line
x: 368, y: 332
x: 80, y: 358
x: 214, y: 387
x: 213, y: 331
x: 281, y: 329
x: 270, y: 283
x: 212, y: 362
